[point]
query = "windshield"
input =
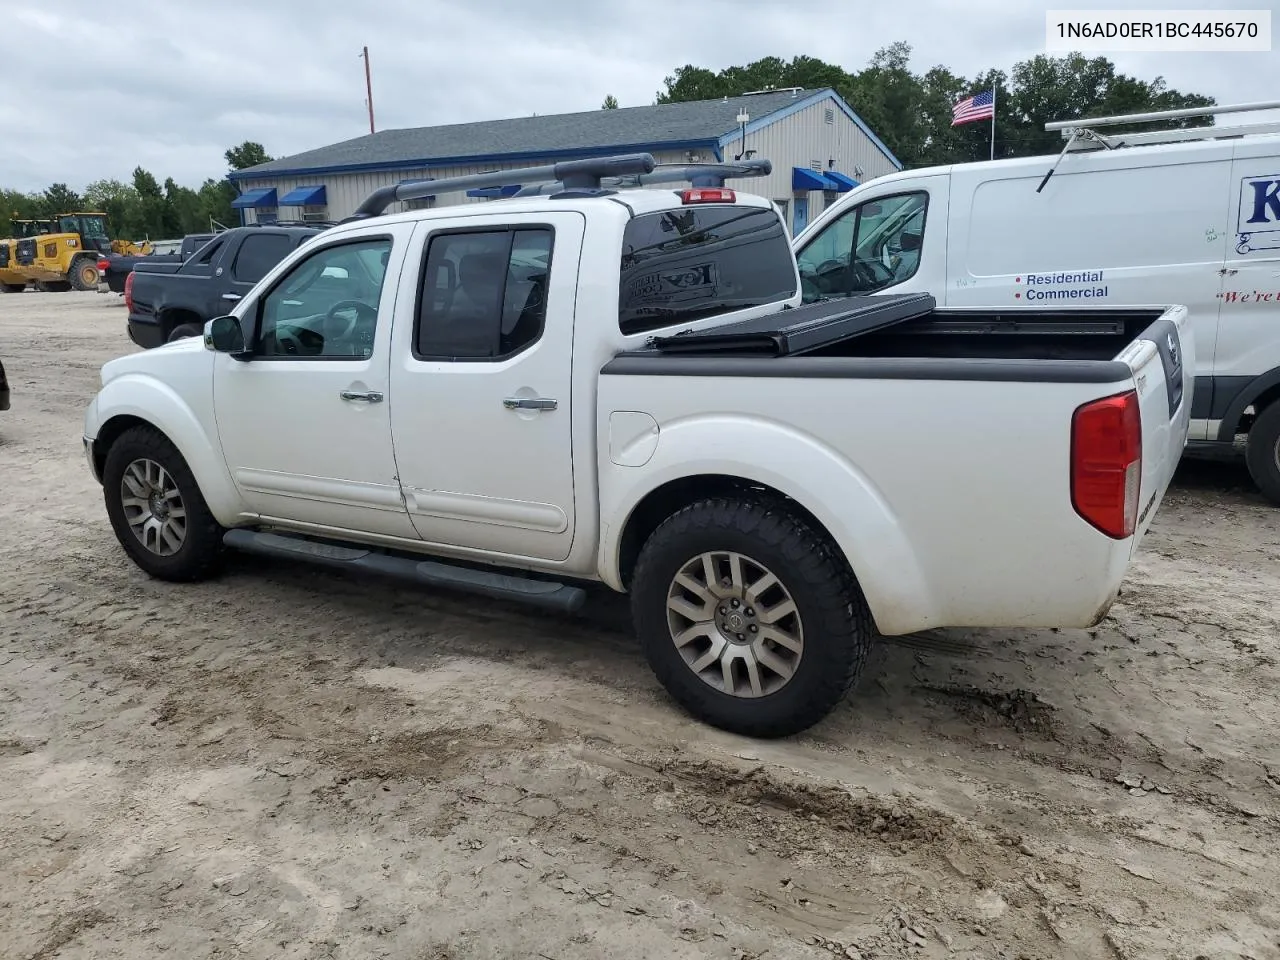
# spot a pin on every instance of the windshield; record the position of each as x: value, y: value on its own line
x: 90, y: 227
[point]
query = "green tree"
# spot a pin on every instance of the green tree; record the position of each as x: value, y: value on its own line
x: 60, y: 198
x: 610, y: 103
x: 248, y: 154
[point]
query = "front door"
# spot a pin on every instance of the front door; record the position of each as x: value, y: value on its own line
x: 305, y: 423
x: 481, y: 392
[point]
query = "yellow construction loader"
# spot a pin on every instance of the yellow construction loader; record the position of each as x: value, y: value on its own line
x: 60, y: 254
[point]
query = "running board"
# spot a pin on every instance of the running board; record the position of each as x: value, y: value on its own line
x: 559, y: 597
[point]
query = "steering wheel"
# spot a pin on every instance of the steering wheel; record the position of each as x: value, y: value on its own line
x: 331, y: 318
x: 872, y: 274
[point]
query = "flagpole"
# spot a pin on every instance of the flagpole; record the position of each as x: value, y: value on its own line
x: 993, y: 121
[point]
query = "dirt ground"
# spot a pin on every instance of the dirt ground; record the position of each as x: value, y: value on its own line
x: 287, y: 763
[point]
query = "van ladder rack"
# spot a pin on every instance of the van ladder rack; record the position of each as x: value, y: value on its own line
x: 1085, y: 128
x: 1082, y: 130
x: 585, y: 174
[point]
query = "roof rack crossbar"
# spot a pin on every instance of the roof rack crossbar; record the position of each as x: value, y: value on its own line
x: 1067, y: 125
x: 575, y: 174
x: 699, y: 174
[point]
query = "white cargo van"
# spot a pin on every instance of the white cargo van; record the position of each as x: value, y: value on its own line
x: 1125, y: 220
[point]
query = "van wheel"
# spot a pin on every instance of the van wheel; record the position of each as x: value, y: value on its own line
x: 182, y: 331
x: 156, y: 508
x: 1263, y: 452
x: 749, y: 617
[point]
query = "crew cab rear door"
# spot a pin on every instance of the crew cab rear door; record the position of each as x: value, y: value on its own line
x: 481, y: 405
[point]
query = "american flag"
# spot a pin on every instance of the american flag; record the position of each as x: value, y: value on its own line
x: 981, y: 106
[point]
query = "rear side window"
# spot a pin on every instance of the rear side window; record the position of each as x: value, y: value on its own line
x: 483, y: 294
x: 258, y: 254
x: 694, y: 262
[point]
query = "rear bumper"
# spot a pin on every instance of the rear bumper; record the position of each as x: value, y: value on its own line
x: 145, y: 333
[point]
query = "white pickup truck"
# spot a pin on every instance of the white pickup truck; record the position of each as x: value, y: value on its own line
x: 521, y: 397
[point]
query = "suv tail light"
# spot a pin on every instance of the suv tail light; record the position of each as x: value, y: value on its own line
x: 128, y: 292
x: 102, y: 266
x: 708, y: 195
x: 1106, y: 463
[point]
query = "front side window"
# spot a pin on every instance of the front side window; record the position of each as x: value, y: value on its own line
x: 483, y: 294
x: 694, y: 262
x: 866, y: 249
x: 326, y: 307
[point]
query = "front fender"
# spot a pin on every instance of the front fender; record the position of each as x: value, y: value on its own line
x: 798, y: 465
x: 145, y: 398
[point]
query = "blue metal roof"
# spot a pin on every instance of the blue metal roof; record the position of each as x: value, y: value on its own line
x: 304, y: 197
x: 262, y: 197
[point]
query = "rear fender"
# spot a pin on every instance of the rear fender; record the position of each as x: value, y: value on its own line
x: 149, y: 400
x: 842, y: 498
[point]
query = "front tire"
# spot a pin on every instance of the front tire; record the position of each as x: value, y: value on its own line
x: 13, y: 287
x: 1263, y: 452
x: 749, y: 617
x: 156, y: 508
x: 84, y: 275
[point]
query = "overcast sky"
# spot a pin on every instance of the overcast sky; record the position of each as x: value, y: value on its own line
x: 171, y: 85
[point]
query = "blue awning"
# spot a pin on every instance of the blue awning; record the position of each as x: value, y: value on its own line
x: 509, y: 190
x: 804, y: 179
x: 304, y: 197
x: 262, y: 197
x: 843, y: 184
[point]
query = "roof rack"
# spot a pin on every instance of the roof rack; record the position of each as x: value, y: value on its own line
x: 1083, y: 131
x: 698, y: 174
x: 585, y: 174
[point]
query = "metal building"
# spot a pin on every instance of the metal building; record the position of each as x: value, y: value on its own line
x: 818, y: 146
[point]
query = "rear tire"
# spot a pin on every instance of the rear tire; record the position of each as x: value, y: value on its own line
x: 1263, y: 452
x: 182, y: 331
x: 787, y: 670
x: 83, y: 275
x: 13, y: 287
x: 157, y: 510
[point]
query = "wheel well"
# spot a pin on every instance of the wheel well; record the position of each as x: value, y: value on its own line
x: 176, y: 316
x: 108, y: 434
x: 661, y: 503
x: 1265, y: 399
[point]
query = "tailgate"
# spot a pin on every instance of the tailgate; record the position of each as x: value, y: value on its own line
x: 1162, y: 359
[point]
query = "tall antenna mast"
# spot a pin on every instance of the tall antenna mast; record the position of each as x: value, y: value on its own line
x: 368, y: 86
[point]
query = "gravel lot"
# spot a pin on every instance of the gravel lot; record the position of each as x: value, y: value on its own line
x: 288, y: 763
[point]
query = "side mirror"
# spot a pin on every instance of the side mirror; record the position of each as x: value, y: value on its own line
x: 224, y: 335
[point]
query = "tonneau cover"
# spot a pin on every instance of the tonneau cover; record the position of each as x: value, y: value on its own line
x: 806, y: 328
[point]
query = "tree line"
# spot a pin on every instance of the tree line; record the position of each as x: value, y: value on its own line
x: 911, y: 112
x: 141, y: 208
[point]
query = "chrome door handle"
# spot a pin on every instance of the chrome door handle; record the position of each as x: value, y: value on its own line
x: 231, y: 296
x: 370, y: 396
x: 528, y: 403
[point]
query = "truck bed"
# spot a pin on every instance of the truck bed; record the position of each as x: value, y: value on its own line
x: 910, y: 326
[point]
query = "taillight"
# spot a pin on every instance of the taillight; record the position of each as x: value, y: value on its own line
x: 1106, y: 463
x: 128, y: 292
x: 102, y: 266
x: 708, y: 195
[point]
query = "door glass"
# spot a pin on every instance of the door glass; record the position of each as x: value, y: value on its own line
x: 868, y: 248
x: 258, y: 254
x: 483, y: 294
x: 326, y: 307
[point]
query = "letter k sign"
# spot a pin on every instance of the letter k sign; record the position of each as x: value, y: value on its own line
x: 1266, y: 196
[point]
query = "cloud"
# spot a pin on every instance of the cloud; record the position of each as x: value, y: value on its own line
x: 169, y: 86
